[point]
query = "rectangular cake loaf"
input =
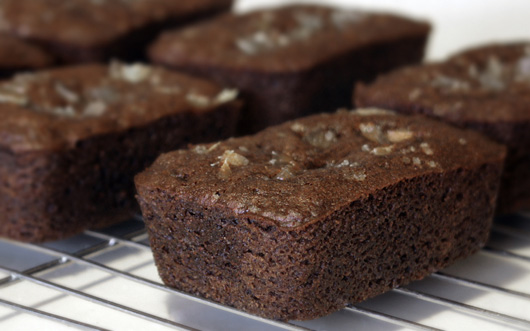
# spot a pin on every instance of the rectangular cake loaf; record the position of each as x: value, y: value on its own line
x: 71, y: 140
x: 487, y: 89
x: 301, y: 219
x: 294, y: 60
x: 77, y: 31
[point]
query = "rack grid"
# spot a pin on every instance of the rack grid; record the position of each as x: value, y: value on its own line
x: 107, y: 280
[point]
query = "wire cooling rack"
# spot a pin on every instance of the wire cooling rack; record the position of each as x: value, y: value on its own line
x: 107, y: 280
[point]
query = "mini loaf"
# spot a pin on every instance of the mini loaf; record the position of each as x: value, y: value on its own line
x: 72, y: 139
x: 486, y: 89
x: 17, y: 54
x: 294, y: 60
x: 301, y: 219
x: 94, y: 30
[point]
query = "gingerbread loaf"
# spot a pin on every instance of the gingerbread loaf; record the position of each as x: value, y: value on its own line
x: 295, y: 60
x: 486, y: 89
x: 301, y: 219
x: 96, y: 30
x: 72, y: 139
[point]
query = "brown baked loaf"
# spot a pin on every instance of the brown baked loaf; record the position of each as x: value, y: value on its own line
x: 16, y: 55
x: 72, y: 139
x: 301, y: 219
x: 295, y: 60
x: 95, y: 30
x: 486, y: 89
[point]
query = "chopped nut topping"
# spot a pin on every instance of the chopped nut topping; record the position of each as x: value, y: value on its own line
x: 462, y: 141
x: 372, y: 132
x: 384, y: 150
x: 416, y: 161
x: 95, y: 108
x: 67, y: 94
x: 67, y: 111
x: 225, y: 172
x: 372, y: 111
x: 285, y: 173
x: 13, y: 98
x: 406, y: 160
x: 132, y: 73
x: 366, y: 148
x: 400, y: 135
x: 320, y: 138
x: 432, y: 164
x: 358, y: 175
x: 426, y: 149
x: 226, y: 95
x: 414, y: 94
x: 200, y: 149
x: 197, y: 100
x: 281, y: 159
x: 449, y: 84
x: 492, y: 77
x: 232, y: 158
x: 298, y: 128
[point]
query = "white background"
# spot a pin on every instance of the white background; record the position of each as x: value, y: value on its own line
x: 457, y: 23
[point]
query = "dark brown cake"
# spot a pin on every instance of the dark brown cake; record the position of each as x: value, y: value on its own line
x: 303, y: 218
x: 72, y: 139
x: 295, y: 60
x: 16, y: 55
x: 94, y: 30
x: 486, y: 89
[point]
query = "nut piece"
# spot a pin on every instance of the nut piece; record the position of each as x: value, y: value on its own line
x: 226, y: 95
x: 372, y: 111
x: 95, y: 108
x: 372, y: 132
x: 198, y: 100
x: 383, y: 150
x: 232, y: 158
x: 399, y: 135
x: 132, y: 73
x: 426, y: 149
x: 320, y: 138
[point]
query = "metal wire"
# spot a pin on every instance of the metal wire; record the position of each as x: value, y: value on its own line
x: 112, y: 242
x: 53, y: 317
x: 391, y: 319
x: 108, y: 242
x: 465, y: 308
x: 94, y: 299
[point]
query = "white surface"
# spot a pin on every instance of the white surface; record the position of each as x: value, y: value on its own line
x: 457, y: 23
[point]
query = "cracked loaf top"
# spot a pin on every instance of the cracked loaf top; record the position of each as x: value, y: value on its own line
x: 489, y: 84
x: 301, y: 171
x: 56, y: 108
x: 91, y: 23
x: 288, y: 38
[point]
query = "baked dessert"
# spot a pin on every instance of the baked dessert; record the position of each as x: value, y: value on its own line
x: 295, y: 60
x: 72, y: 139
x: 95, y: 30
x: 302, y: 218
x: 16, y: 55
x: 486, y: 89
